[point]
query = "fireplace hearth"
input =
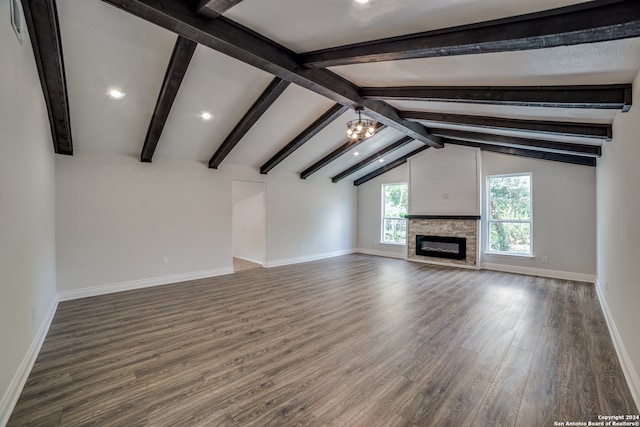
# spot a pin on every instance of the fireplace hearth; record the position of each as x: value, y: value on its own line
x: 441, y: 247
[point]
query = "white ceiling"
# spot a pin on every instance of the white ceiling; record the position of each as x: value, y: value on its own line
x: 105, y: 47
x: 309, y: 25
x: 509, y: 111
x: 596, y: 63
x: 292, y: 113
x: 217, y: 84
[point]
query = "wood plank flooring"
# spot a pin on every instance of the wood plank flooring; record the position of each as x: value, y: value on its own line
x: 350, y: 341
x: 240, y: 264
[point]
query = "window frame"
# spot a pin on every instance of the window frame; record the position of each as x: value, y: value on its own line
x: 383, y: 217
x: 489, y: 221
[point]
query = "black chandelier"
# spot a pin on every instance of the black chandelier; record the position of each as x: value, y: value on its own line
x: 359, y: 128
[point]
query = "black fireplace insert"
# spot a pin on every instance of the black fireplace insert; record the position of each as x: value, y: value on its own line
x: 441, y: 247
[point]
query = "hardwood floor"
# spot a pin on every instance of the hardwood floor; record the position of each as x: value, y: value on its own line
x: 350, y: 341
x: 240, y: 264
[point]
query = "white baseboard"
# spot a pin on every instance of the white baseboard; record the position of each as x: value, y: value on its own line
x: 630, y: 374
x: 554, y: 274
x: 380, y: 253
x: 143, y: 283
x: 11, y: 395
x: 297, y: 260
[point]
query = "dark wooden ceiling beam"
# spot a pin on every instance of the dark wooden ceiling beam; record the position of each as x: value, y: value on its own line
x: 583, y: 130
x: 178, y: 64
x: 531, y: 144
x: 589, y: 22
x: 262, y: 104
x: 616, y: 97
x: 373, y: 158
x: 534, y: 154
x: 251, y: 48
x: 389, y: 116
x: 215, y: 8
x: 323, y: 121
x: 522, y: 152
x: 41, y: 17
x: 388, y: 166
x: 335, y: 154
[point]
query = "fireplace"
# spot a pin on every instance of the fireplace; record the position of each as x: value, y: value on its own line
x: 441, y: 247
x: 435, y: 228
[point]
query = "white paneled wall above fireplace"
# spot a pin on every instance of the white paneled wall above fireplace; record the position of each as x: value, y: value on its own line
x: 445, y: 182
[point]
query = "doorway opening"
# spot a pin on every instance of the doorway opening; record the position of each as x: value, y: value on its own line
x: 249, y: 224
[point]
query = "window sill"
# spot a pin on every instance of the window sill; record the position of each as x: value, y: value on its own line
x: 392, y: 244
x: 510, y: 255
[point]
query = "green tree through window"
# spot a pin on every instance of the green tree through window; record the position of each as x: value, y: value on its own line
x: 509, y: 206
x: 395, y: 200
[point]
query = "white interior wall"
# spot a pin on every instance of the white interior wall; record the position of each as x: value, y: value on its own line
x: 564, y: 217
x: 308, y: 219
x: 370, y: 214
x: 249, y: 221
x: 618, y: 177
x: 445, y: 182
x: 118, y: 218
x: 27, y: 209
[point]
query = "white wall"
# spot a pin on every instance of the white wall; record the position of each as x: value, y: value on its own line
x: 445, y: 182
x: 118, y: 218
x: 618, y: 182
x: 370, y: 214
x: 564, y: 217
x: 249, y: 221
x: 27, y: 209
x: 308, y: 219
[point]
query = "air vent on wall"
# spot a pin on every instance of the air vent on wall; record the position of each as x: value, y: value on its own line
x: 16, y: 19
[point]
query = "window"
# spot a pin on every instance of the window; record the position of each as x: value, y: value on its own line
x: 395, y: 199
x: 509, y: 214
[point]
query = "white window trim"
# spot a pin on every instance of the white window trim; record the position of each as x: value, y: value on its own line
x: 382, y: 217
x: 394, y: 244
x: 488, y: 220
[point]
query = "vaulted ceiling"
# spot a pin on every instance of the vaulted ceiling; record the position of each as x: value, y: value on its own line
x: 281, y: 78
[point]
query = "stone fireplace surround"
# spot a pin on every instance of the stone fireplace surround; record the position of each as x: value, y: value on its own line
x: 467, y: 226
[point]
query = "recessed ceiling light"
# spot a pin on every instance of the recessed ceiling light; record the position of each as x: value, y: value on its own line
x: 116, y: 93
x: 362, y: 1
x: 205, y: 115
x: 381, y: 160
x: 356, y: 153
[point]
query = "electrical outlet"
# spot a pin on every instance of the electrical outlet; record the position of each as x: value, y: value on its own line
x: 165, y: 260
x: 33, y: 316
x: 301, y: 247
x: 545, y: 260
x: 606, y: 285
